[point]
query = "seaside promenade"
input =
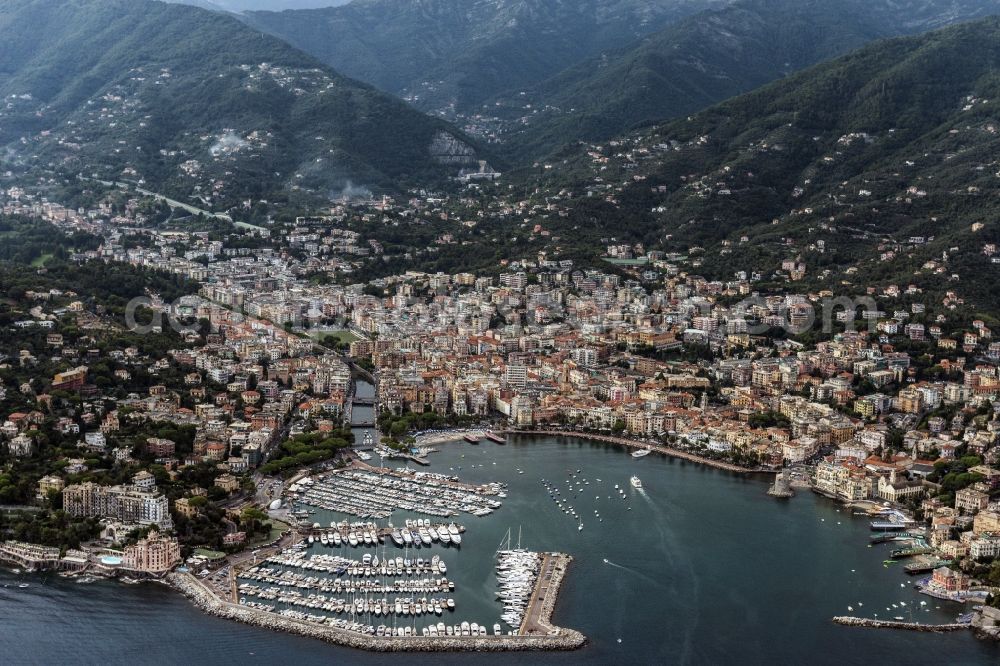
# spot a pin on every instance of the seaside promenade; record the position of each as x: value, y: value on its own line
x: 656, y: 448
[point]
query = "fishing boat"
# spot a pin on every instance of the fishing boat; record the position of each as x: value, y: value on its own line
x: 641, y: 453
x: 636, y: 482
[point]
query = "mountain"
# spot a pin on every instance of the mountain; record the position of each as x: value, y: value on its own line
x: 710, y: 57
x: 261, y: 5
x: 443, y: 53
x: 203, y: 4
x: 879, y: 167
x: 197, y: 104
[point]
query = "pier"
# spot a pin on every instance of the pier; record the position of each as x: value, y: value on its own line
x: 375, y: 492
x: 555, y: 639
x: 538, y: 617
x: 668, y: 451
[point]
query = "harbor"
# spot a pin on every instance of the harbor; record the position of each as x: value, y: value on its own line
x: 413, y: 533
x: 354, y: 635
x: 362, y: 596
x: 376, y: 492
x: 650, y: 561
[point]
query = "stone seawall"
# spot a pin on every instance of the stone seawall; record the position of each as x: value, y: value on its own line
x: 895, y: 624
x: 189, y: 586
x: 549, y: 604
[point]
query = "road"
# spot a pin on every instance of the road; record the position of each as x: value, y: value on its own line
x: 534, y: 622
x: 173, y: 203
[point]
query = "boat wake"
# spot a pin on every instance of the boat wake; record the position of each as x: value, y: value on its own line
x: 630, y: 570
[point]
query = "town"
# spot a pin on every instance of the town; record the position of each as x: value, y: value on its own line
x: 246, y: 376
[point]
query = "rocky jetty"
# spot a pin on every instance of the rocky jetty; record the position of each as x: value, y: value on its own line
x: 986, y: 623
x: 549, y: 604
x: 562, y: 639
x: 782, y: 486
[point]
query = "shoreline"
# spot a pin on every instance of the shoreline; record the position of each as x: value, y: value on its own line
x: 850, y: 621
x: 633, y: 444
x: 557, y: 639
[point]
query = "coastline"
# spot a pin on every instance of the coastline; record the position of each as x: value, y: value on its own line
x: 632, y: 444
x: 849, y: 621
x: 558, y: 639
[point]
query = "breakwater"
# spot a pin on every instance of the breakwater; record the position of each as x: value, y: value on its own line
x: 656, y: 448
x: 897, y: 624
x: 203, y: 598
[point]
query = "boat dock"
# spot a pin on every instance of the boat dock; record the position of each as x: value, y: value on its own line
x: 538, y: 615
x: 382, y: 533
x: 375, y: 492
x: 887, y: 526
x: 349, y: 635
x: 895, y: 536
x: 924, y: 565
x: 910, y: 552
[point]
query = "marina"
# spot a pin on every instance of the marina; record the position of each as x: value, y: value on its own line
x: 650, y: 560
x: 413, y: 533
x: 371, y: 492
x: 517, y: 573
x: 363, y: 596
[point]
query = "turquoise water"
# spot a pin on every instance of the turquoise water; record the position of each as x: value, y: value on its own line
x: 704, y: 568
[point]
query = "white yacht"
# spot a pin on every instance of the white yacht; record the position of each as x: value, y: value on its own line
x: 636, y: 482
x: 641, y: 453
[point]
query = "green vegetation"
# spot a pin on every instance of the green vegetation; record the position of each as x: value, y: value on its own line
x: 33, y: 242
x: 891, y: 142
x: 49, y: 528
x: 713, y: 56
x: 181, y: 81
x: 338, y: 338
x: 307, y: 449
x: 470, y: 50
x: 397, y: 427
